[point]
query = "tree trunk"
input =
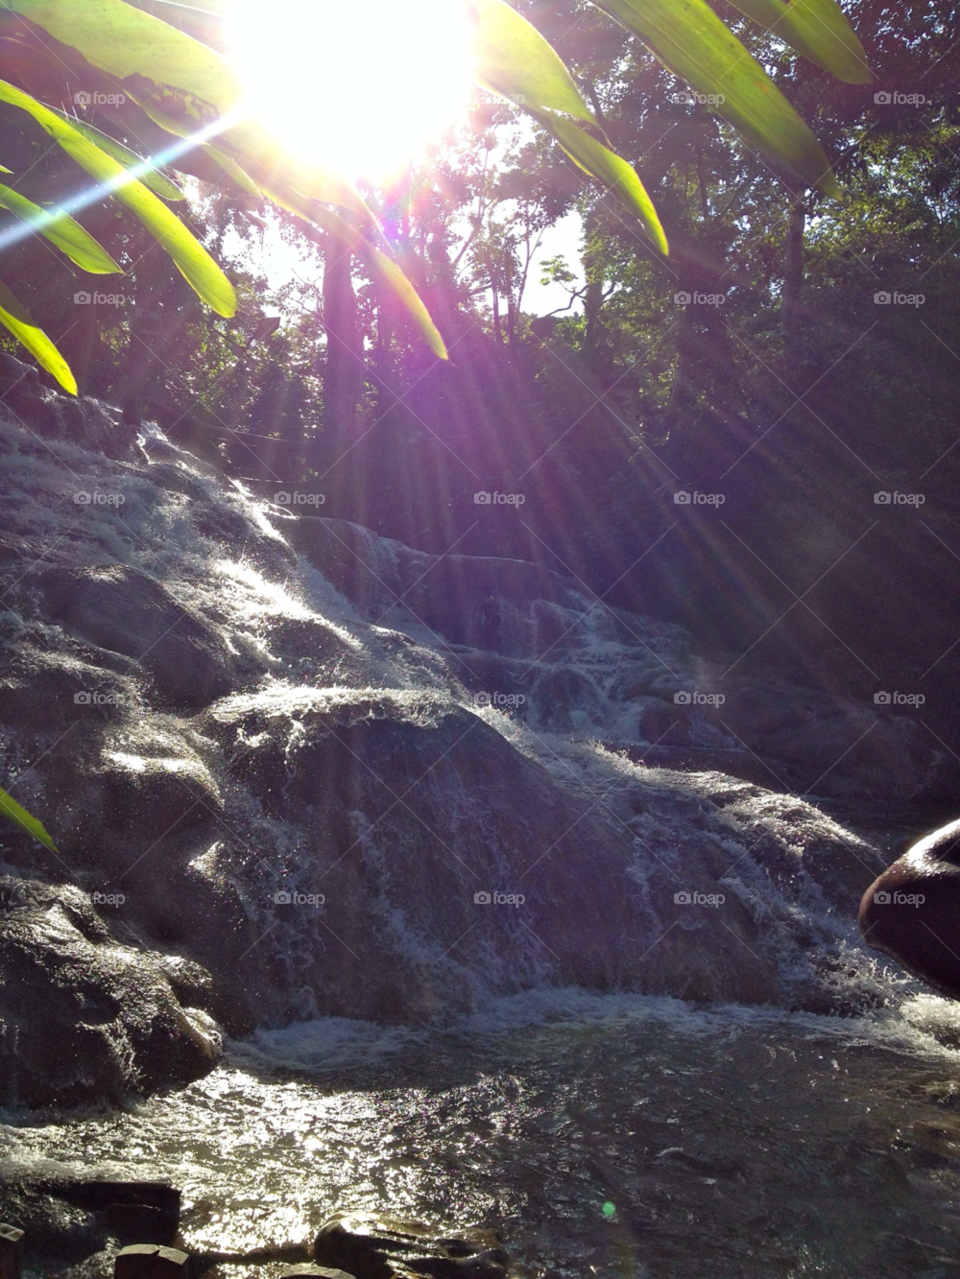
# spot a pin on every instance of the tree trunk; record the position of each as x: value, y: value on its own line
x: 792, y: 279
x: 145, y: 352
x: 344, y: 374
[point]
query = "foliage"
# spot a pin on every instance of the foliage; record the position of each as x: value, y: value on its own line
x: 184, y: 89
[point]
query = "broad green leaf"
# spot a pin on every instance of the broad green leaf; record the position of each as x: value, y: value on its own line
x: 17, y: 319
x: 60, y: 229
x: 818, y: 29
x: 140, y: 167
x: 184, y: 86
x: 381, y: 266
x: 692, y: 42
x: 232, y: 170
x: 265, y: 160
x: 513, y: 59
x: 162, y: 68
x: 196, y: 264
x: 610, y: 169
x: 20, y: 817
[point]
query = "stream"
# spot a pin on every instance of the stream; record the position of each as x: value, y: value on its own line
x: 601, y: 1135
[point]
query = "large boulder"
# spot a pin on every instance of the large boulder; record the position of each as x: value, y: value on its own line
x: 84, y: 1017
x: 124, y: 610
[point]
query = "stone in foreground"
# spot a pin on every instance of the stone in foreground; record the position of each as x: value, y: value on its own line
x: 11, y: 1252
x: 148, y: 1261
x: 369, y: 1246
x: 304, y: 1271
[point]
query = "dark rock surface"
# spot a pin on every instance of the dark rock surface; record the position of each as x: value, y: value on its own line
x: 370, y: 1246
x: 128, y: 612
x: 68, y: 1219
x: 912, y: 911
x: 84, y: 1017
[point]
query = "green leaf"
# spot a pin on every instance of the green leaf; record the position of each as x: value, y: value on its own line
x: 610, y: 169
x: 381, y: 266
x: 17, y: 319
x: 141, y: 168
x: 20, y: 817
x: 692, y: 42
x: 166, y: 71
x: 195, y: 263
x: 818, y: 29
x: 513, y: 59
x: 60, y: 229
x: 232, y: 170
x: 184, y: 86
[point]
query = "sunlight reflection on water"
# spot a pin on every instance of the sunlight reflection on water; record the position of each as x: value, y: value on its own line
x: 638, y: 1139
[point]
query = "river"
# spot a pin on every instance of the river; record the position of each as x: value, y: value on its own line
x: 614, y: 1135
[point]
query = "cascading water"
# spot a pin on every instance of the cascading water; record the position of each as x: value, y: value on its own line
x: 414, y: 852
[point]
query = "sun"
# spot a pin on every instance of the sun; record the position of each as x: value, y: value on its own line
x: 361, y: 87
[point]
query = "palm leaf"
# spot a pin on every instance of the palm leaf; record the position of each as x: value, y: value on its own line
x: 20, y: 817
x: 818, y: 29
x: 60, y: 229
x: 17, y: 319
x: 607, y: 167
x: 692, y: 42
x: 195, y: 263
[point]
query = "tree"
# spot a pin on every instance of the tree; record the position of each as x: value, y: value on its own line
x: 184, y: 89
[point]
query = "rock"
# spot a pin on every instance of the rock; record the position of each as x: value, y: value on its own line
x: 145, y: 1211
x: 126, y: 611
x: 912, y: 911
x: 146, y: 1261
x: 369, y: 1246
x: 70, y: 1219
x: 305, y: 1271
x: 11, y: 1252
x: 111, y: 1022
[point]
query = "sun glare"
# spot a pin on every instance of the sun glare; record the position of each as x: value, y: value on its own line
x: 360, y: 87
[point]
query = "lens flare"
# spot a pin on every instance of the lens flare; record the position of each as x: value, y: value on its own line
x: 359, y: 87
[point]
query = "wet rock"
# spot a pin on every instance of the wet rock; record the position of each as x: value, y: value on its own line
x: 110, y: 1022
x: 911, y: 911
x: 11, y: 1252
x: 147, y: 1261
x: 370, y: 1246
x: 147, y: 1211
x: 306, y: 1271
x: 125, y: 610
